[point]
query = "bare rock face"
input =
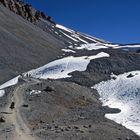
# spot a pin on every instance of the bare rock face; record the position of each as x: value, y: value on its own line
x: 5, y: 3
x: 25, y: 10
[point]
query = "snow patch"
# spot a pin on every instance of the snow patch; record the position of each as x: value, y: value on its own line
x: 123, y: 92
x: 90, y: 38
x: 70, y: 37
x: 61, y: 68
x: 68, y: 50
x: 111, y: 45
x: 92, y: 46
x: 2, y: 92
x: 99, y: 55
x: 93, y: 38
x: 56, y: 32
x: 77, y: 37
x: 128, y: 46
x: 64, y: 28
x: 34, y: 92
x: 9, y: 83
x: 71, y: 47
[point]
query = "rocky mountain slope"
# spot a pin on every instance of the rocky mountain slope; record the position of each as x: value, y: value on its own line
x: 56, y: 68
x: 23, y: 46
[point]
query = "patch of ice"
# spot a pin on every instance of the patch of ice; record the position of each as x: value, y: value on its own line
x: 123, y: 92
x: 63, y: 67
x: 68, y: 50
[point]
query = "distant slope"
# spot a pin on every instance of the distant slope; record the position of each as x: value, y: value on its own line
x: 68, y: 36
x: 23, y: 46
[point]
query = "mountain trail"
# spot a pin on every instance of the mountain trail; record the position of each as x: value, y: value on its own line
x: 22, y: 132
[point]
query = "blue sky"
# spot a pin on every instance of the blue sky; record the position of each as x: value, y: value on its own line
x: 116, y: 21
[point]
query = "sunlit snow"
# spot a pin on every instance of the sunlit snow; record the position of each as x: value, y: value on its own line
x: 34, y: 92
x: 80, y: 39
x: 69, y: 37
x: 57, y: 69
x: 64, y: 28
x: 128, y: 46
x: 61, y: 68
x: 2, y: 92
x: 68, y: 50
x: 92, y: 46
x: 92, y: 38
x: 9, y: 83
x: 123, y: 92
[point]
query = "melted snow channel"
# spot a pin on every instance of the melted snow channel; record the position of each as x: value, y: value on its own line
x: 123, y: 93
x: 63, y: 67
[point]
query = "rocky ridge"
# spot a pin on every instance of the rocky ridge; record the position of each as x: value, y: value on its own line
x: 25, y: 10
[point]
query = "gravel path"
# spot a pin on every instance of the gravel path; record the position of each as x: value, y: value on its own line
x: 13, y: 116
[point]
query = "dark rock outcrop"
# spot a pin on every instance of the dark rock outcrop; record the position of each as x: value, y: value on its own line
x: 25, y: 10
x: 2, y: 120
